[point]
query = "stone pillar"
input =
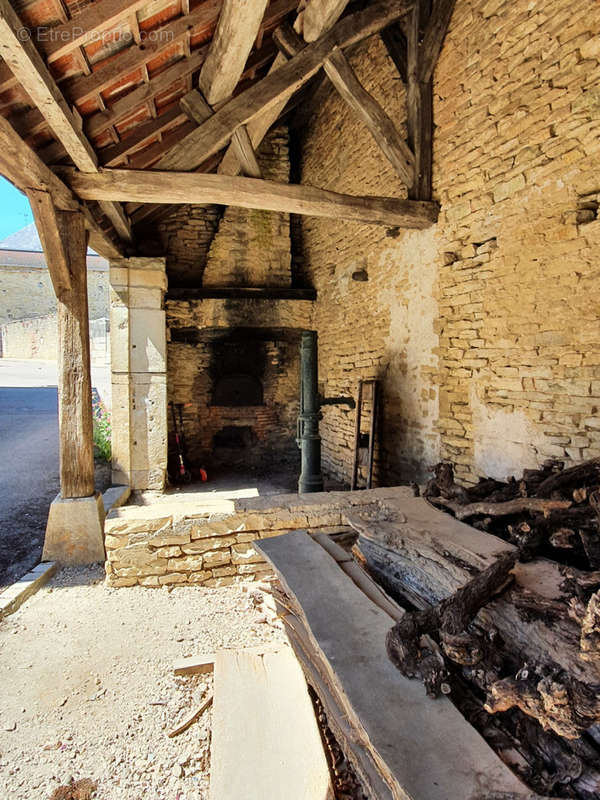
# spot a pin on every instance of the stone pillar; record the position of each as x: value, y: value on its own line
x: 139, y: 372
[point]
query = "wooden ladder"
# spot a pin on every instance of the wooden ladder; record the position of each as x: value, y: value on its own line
x: 364, y: 440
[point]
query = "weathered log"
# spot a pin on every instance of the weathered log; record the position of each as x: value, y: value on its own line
x: 493, y: 509
x: 425, y: 556
x: 587, y: 473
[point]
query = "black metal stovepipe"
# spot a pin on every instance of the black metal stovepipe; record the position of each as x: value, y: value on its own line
x: 309, y: 441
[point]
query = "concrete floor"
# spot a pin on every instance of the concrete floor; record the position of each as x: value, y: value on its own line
x: 29, y: 478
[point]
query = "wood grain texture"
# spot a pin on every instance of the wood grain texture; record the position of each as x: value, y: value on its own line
x: 29, y: 68
x: 74, y: 376
x: 421, y: 749
x: 132, y: 58
x: 319, y: 16
x: 24, y: 168
x: 380, y: 126
x: 182, y: 187
x: 245, y: 153
x: 47, y: 224
x: 86, y: 26
x: 259, y: 126
x: 433, y: 38
x: 277, y: 87
x: 265, y: 739
x: 236, y: 32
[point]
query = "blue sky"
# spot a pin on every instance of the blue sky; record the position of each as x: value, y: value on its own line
x: 15, y: 212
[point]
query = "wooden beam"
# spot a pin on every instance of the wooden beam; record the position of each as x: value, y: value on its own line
x: 135, y: 57
x: 198, y: 110
x: 279, y: 85
x: 141, y: 134
x: 199, y: 188
x: 22, y: 167
x: 259, y: 126
x: 319, y: 16
x: 236, y: 32
x: 433, y: 39
x: 395, y: 42
x: 74, y: 375
x: 126, y: 105
x: 29, y: 68
x: 287, y: 40
x: 419, y: 108
x: 84, y: 27
x: 245, y: 153
x: 381, y: 127
x: 45, y: 215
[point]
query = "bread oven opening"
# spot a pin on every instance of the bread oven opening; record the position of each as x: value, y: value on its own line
x: 238, y: 390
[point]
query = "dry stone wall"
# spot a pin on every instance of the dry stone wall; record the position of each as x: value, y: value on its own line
x: 484, y: 328
x: 179, y: 543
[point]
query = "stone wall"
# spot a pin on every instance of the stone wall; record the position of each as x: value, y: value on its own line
x: 27, y: 293
x: 171, y: 543
x: 37, y: 338
x: 484, y: 328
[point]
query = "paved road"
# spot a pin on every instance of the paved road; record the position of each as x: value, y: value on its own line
x: 29, y: 479
x: 28, y: 461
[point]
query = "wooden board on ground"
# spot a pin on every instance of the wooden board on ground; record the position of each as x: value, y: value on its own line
x: 422, y: 748
x: 265, y: 738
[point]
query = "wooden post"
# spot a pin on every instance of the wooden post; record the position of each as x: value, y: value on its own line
x: 75, y: 529
x: 74, y: 371
x: 419, y: 108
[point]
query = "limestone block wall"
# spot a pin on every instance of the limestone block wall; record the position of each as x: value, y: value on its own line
x: 37, y: 338
x: 185, y: 542
x: 484, y: 328
x: 27, y: 293
x: 139, y: 379
x: 252, y: 247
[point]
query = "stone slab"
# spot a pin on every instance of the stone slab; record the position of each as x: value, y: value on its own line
x: 75, y: 531
x: 14, y: 597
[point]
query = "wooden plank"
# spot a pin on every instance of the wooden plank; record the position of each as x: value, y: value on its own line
x: 194, y: 665
x: 182, y: 188
x: 261, y: 124
x: 86, y: 26
x: 423, y: 749
x: 196, y: 107
x: 380, y: 126
x: 135, y: 57
x: 278, y: 86
x: 29, y: 68
x: 74, y: 375
x: 47, y: 224
x: 232, y: 42
x: 265, y: 739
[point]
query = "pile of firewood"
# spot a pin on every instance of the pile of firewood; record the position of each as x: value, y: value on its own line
x: 551, y: 512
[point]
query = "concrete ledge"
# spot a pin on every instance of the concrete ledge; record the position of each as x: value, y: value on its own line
x: 14, y: 597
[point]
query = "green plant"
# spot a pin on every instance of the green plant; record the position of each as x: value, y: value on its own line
x: 102, y: 430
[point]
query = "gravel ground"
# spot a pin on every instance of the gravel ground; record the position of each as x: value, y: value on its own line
x: 88, y: 689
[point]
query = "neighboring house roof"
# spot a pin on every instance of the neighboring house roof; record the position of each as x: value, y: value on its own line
x: 24, y: 249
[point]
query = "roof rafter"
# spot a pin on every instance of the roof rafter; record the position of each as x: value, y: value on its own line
x: 133, y: 58
x: 236, y: 32
x: 29, y: 68
x: 279, y: 85
x: 328, y: 12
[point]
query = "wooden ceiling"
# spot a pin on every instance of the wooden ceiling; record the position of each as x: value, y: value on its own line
x: 187, y: 85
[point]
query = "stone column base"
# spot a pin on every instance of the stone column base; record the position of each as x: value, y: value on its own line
x: 75, y: 530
